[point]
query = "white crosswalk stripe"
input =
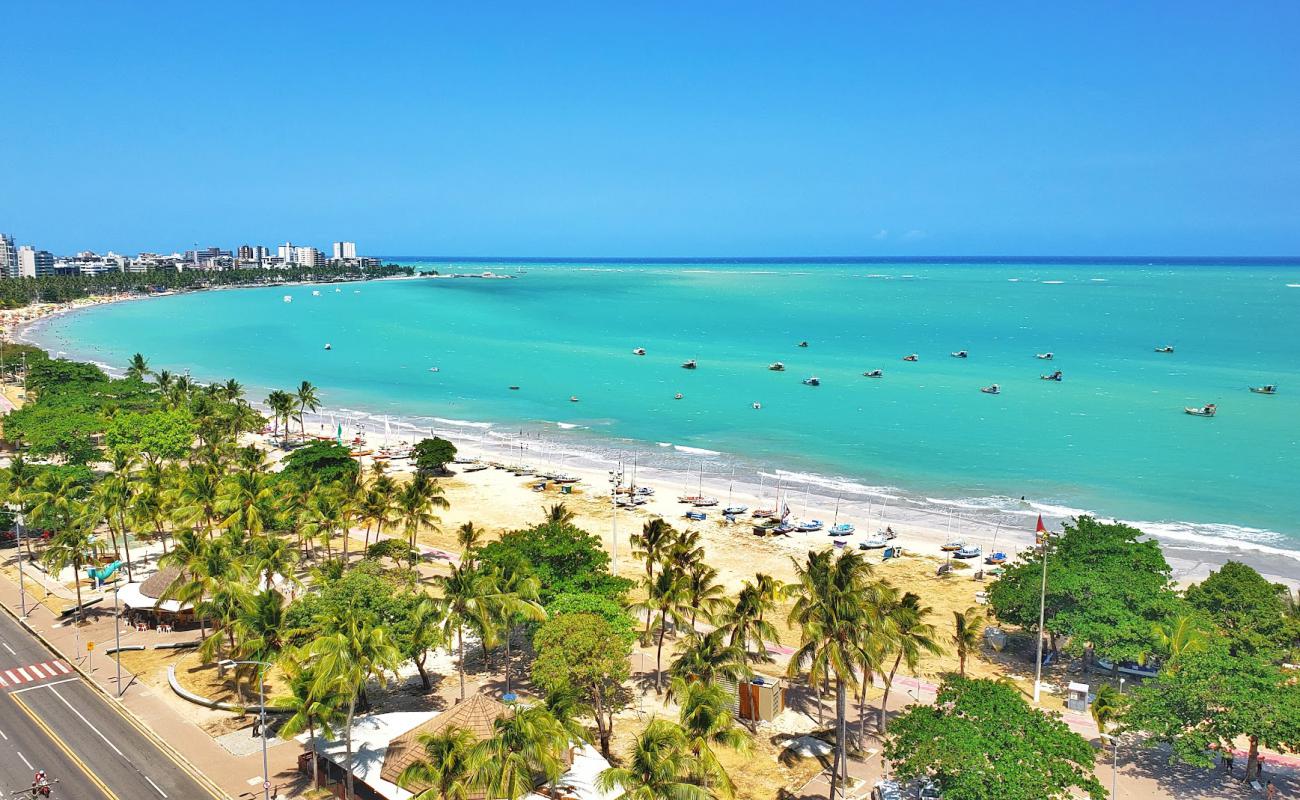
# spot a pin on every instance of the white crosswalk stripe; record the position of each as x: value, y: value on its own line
x: 33, y: 672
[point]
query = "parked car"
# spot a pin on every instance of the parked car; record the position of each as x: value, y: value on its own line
x: 887, y: 790
x: 929, y: 791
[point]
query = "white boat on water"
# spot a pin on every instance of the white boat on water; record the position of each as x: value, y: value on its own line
x: 993, y: 389
x: 1204, y: 411
x: 1045, y: 356
x: 640, y: 351
x: 776, y: 366
x: 288, y: 298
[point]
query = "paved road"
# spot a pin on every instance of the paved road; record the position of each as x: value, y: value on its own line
x: 50, y: 719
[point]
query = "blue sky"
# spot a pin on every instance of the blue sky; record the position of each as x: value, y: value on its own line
x: 642, y: 129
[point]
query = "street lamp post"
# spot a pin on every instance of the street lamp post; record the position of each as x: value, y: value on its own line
x: 22, y: 582
x: 117, y: 639
x: 1042, y: 613
x: 261, y: 694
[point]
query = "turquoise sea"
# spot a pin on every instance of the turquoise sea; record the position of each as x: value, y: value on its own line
x: 1110, y: 438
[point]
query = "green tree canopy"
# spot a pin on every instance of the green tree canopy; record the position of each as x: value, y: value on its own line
x: 1250, y: 611
x: 1213, y: 697
x: 620, y: 622
x: 433, y: 455
x: 362, y: 591
x: 158, y: 434
x: 584, y: 656
x: 982, y: 741
x: 565, y: 559
x: 323, y: 462
x: 1105, y: 587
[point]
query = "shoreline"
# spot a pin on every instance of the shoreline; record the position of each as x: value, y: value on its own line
x: 922, y: 521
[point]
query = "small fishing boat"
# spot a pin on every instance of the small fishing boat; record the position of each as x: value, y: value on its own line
x: 689, y: 364
x: 1055, y: 376
x: 514, y: 388
x: 677, y: 396
x: 888, y: 533
x: 1204, y: 411
x: 912, y: 357
x: 701, y: 502
x: 315, y: 293
x: 474, y: 468
x: 842, y: 529
x: 808, y: 525
x: 812, y: 381
x: 573, y: 398
x: 288, y: 298
x: 756, y: 405
x: 360, y: 453
x: 1169, y: 348
x: 776, y: 366
x: 763, y: 513
x: 969, y: 551
x: 992, y: 389
x: 696, y: 515
x: 803, y: 344
x: 732, y: 511
x: 640, y: 351
x: 329, y: 346
x: 645, y: 490
x: 1270, y: 389
x: 952, y: 546
x: 1045, y: 356
x: 960, y: 354
x: 995, y: 558
x: 873, y: 543
x: 874, y: 373
x: 434, y: 369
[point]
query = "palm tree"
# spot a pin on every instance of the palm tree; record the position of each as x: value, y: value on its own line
x: 198, y: 496
x: 704, y: 592
x: 306, y: 398
x: 443, y: 773
x: 517, y: 590
x: 832, y: 611
x: 310, y: 711
x: 165, y: 380
x: 138, y: 368
x: 466, y: 600
x: 343, y: 661
x: 912, y: 635
x: 685, y: 551
x: 660, y: 767
x: 246, y: 501
x: 427, y: 621
x: 706, y: 719
x: 649, y: 545
x: 709, y: 658
x: 73, y: 546
x: 666, y: 598
x: 111, y: 499
x: 376, y: 508
x: 1179, y: 636
x: 1106, y: 707
x: 469, y: 538
x: 259, y: 624
x: 281, y: 405
x: 273, y: 555
x: 415, y: 505
x: 557, y: 514
x: 967, y: 626
x: 524, y: 745
x: 327, y: 512
x: 745, y: 626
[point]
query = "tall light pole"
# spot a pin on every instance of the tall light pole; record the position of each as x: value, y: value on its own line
x: 261, y: 694
x: 22, y: 582
x: 1041, y: 533
x: 117, y: 639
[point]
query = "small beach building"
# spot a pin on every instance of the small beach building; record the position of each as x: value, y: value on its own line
x: 140, y: 600
x: 385, y: 744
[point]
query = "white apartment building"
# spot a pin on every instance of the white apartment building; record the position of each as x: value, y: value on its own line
x: 308, y: 257
x: 33, y: 263
x: 8, y: 256
x: 345, y: 250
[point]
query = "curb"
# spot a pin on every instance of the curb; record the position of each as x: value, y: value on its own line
x: 135, y: 722
x: 200, y: 700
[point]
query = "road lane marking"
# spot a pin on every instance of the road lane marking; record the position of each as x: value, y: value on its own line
x: 42, y: 686
x: 12, y: 676
x: 67, y: 751
x: 99, y: 733
x: 34, y: 672
x: 10, y: 649
x: 155, y: 786
x: 62, y: 667
x: 2, y: 736
x: 23, y: 672
x: 25, y: 761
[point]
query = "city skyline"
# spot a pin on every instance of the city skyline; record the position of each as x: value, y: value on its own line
x: 1162, y: 129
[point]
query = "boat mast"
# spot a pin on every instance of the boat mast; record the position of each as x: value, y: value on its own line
x: 836, y: 518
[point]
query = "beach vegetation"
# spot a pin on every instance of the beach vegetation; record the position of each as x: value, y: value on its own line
x: 159, y: 434
x: 1107, y: 586
x: 587, y: 657
x: 564, y: 558
x: 1246, y: 608
x: 431, y: 456
x: 321, y: 463
x: 981, y: 740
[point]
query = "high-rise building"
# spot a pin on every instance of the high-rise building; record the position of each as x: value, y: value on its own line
x: 33, y: 263
x: 345, y: 250
x: 245, y: 253
x: 285, y: 252
x: 8, y: 256
x: 260, y: 254
x: 308, y: 257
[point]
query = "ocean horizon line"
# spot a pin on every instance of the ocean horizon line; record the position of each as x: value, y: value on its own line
x: 1143, y: 260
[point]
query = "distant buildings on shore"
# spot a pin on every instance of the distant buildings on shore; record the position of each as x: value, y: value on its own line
x: 28, y: 262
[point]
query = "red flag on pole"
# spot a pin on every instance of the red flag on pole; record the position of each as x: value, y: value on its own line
x: 1040, y: 533
x: 1041, y: 528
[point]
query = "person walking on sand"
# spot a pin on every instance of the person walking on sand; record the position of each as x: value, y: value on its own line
x: 1270, y: 791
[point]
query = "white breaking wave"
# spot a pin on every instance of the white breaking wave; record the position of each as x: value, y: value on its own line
x: 695, y: 451
x: 463, y: 423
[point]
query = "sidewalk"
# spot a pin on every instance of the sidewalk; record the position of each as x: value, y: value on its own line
x: 239, y: 776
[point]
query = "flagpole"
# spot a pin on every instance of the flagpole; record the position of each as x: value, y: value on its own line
x: 1041, y: 533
